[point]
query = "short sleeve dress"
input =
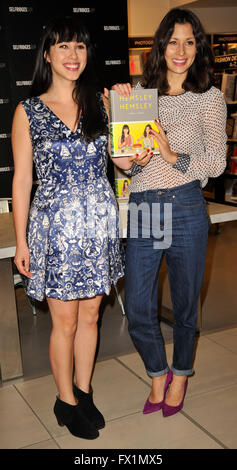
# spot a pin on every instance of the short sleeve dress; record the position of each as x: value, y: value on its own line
x: 73, y: 224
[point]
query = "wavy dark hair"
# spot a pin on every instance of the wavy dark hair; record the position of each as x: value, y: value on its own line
x: 86, y: 88
x: 123, y: 135
x: 200, y: 74
x: 145, y: 132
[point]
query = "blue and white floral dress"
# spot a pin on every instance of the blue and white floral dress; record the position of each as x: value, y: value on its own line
x: 73, y: 226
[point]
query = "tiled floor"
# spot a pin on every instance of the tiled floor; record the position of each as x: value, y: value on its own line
x: 207, y: 421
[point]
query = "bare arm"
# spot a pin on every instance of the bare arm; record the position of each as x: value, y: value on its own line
x: 22, y: 184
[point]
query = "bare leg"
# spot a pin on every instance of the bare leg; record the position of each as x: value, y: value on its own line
x: 157, y: 390
x: 86, y: 341
x: 175, y: 393
x: 64, y: 318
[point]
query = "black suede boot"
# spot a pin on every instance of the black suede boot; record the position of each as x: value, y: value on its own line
x: 92, y: 413
x: 74, y: 418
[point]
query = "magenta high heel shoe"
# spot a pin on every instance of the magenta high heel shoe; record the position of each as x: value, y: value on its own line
x: 151, y: 407
x: 168, y: 410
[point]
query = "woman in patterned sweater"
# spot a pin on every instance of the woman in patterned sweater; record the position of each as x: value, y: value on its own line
x: 172, y: 220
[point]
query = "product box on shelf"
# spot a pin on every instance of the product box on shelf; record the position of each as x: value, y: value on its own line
x: 228, y: 86
x: 234, y: 134
x: 231, y: 190
x: 122, y: 182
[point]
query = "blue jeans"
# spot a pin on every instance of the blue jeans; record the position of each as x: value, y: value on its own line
x: 181, y: 213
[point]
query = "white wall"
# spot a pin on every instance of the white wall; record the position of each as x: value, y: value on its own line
x: 217, y: 20
x: 177, y: 3
x: 145, y: 16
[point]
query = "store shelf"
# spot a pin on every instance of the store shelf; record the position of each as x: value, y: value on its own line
x: 231, y: 201
x: 230, y: 175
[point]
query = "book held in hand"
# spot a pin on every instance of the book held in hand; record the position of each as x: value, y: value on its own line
x: 131, y: 119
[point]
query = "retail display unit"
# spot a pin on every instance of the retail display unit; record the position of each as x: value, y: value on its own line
x: 225, y: 51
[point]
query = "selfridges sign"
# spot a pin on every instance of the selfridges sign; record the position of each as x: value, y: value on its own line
x: 22, y: 23
x: 23, y: 47
x: 20, y: 9
x: 84, y: 10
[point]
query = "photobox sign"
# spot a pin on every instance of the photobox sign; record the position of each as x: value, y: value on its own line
x: 21, y: 24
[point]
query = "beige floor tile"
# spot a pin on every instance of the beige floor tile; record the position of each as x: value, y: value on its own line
x: 145, y: 432
x: 19, y: 427
x: 117, y: 393
x: 226, y: 338
x: 136, y: 365
x: 214, y: 367
x: 134, y: 362
x: 217, y: 412
x: 50, y: 444
x: 41, y: 395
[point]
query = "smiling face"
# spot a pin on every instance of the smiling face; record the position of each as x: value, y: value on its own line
x: 181, y: 50
x: 67, y: 59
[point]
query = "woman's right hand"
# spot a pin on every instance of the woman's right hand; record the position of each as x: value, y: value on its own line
x: 22, y: 260
x: 142, y: 158
x: 123, y: 89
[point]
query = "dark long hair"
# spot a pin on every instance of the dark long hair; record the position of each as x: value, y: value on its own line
x: 86, y: 88
x: 123, y: 135
x: 145, y: 131
x: 200, y: 74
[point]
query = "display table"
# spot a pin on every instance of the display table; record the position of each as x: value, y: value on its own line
x: 10, y: 350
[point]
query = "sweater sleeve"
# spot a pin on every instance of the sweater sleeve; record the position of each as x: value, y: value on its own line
x: 212, y: 162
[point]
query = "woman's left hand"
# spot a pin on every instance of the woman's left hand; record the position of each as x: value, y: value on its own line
x: 160, y: 137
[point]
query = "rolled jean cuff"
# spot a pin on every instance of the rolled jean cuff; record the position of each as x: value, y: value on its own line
x: 181, y: 372
x: 158, y: 374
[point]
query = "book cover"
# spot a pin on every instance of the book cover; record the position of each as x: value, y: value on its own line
x: 131, y: 119
x: 122, y: 188
x: 234, y: 135
x: 228, y: 86
x: 122, y: 182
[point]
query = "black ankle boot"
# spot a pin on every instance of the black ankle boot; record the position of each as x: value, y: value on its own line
x: 74, y: 418
x: 89, y: 408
